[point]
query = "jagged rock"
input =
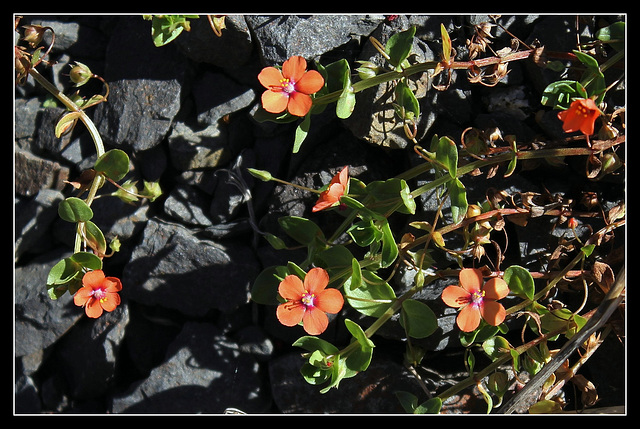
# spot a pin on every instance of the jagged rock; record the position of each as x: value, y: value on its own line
x: 174, y: 268
x: 146, y: 87
x: 204, y: 373
x: 40, y: 321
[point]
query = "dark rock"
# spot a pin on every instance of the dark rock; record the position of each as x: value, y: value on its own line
x: 33, y: 220
x: 175, y: 269
x: 280, y: 37
x: 194, y: 147
x: 216, y: 95
x: 146, y: 88
x: 204, y: 373
x: 186, y: 205
x: 88, y: 354
x: 232, y: 50
x: 40, y: 321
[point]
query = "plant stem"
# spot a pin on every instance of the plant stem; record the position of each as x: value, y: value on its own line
x: 95, y: 135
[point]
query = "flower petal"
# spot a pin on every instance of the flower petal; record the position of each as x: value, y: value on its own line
x: 93, y: 279
x: 110, y: 302
x: 112, y: 284
x: 290, y: 313
x: 455, y: 296
x: 329, y: 300
x: 299, y: 104
x: 495, y: 288
x: 316, y: 280
x: 82, y: 296
x: 342, y: 177
x: 270, y: 76
x: 291, y: 288
x: 274, y: 102
x: 294, y: 68
x: 468, y: 319
x: 93, y: 308
x: 493, y: 312
x: 314, y: 321
x: 471, y: 279
x: 310, y: 82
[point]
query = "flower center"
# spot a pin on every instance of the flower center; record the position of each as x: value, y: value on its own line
x: 581, y: 110
x: 308, y: 299
x: 477, y: 297
x: 99, y: 294
x: 287, y: 85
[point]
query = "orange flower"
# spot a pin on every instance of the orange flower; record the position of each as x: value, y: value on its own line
x: 476, y: 300
x: 338, y: 186
x: 98, y: 293
x: 580, y: 116
x: 309, y: 301
x: 290, y: 88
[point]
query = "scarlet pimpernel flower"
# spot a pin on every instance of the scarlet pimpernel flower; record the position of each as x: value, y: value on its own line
x: 580, y: 116
x: 476, y: 300
x: 308, y: 301
x: 290, y: 89
x: 338, y: 186
x: 98, y: 294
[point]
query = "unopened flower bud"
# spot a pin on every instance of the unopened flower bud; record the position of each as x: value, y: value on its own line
x: 33, y: 34
x: 367, y: 70
x: 498, y: 383
x: 610, y: 162
x: 80, y: 74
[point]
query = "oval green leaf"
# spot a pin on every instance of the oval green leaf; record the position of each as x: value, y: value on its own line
x: 114, y: 164
x: 418, y: 319
x: 74, y: 210
x: 520, y: 281
x: 372, y: 297
x: 300, y: 229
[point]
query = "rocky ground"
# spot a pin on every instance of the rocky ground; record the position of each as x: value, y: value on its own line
x: 187, y: 338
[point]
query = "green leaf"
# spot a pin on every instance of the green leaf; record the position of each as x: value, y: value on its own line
x: 336, y: 260
x: 95, y: 237
x: 346, y: 103
x: 613, y: 34
x: 67, y: 274
x: 314, y: 375
x: 265, y: 286
x: 74, y: 210
x: 407, y: 101
x: 300, y: 229
x: 398, y: 47
x: 446, y: 43
x: 409, y: 401
x: 356, y: 273
x: 114, y: 164
x: 274, y: 241
x: 358, y: 334
x: 364, y: 232
x: 418, y: 319
x: 495, y: 347
x: 66, y: 123
x: 311, y: 344
x: 372, y: 297
x: 387, y: 192
x: 447, y: 155
x: 430, y: 406
x: 165, y: 28
x: 389, y: 247
x: 458, y: 197
x: 520, y: 281
x: 560, y: 94
x: 301, y: 133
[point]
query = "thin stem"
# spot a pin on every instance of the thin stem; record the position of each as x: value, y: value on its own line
x: 93, y: 131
